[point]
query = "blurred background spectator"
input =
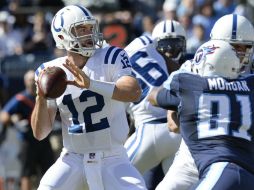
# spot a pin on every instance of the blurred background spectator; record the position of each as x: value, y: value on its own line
x: 186, y: 7
x: 35, y: 156
x: 197, y: 38
x: 147, y: 25
x: 223, y: 7
x: 10, y: 39
x: 39, y: 39
x: 206, y: 16
x: 169, y: 9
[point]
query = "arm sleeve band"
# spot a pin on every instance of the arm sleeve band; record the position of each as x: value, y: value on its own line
x: 103, y: 88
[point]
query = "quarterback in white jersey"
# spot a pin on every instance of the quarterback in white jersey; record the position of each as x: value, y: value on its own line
x: 92, y: 110
x: 152, y: 143
x: 239, y: 32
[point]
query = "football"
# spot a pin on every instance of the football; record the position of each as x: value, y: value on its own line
x: 52, y: 82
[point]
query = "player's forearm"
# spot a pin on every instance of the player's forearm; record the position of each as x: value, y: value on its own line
x: 127, y: 89
x: 40, y: 121
x: 152, y: 97
x: 164, y: 98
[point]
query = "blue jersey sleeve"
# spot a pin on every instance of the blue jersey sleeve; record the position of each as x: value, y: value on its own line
x: 167, y: 97
x: 119, y: 62
x: 167, y: 100
x: 12, y: 106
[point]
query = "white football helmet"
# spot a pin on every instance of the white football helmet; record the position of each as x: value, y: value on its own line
x: 217, y: 58
x: 168, y: 27
x: 238, y: 30
x: 64, y: 29
x: 170, y: 40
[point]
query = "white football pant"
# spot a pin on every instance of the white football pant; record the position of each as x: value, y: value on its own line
x: 111, y: 170
x: 152, y: 144
x: 183, y: 172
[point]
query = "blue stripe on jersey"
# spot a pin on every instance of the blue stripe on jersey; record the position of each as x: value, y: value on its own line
x: 115, y: 55
x: 145, y: 40
x: 164, y: 27
x: 212, y: 176
x: 234, y: 26
x: 142, y: 40
x: 84, y: 11
x: 39, y: 69
x: 107, y: 54
x: 149, y: 39
x: 172, y: 26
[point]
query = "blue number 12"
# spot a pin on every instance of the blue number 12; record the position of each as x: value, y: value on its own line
x: 89, y: 125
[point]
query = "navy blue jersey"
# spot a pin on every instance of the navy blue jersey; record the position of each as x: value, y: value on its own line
x: 216, y: 117
x: 22, y: 104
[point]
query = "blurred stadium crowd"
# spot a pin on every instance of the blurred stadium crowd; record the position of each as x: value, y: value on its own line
x: 26, y: 40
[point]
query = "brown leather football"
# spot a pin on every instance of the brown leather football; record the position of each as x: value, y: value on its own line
x: 53, y: 82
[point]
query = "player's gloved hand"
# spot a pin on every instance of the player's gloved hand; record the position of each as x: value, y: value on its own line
x: 81, y: 80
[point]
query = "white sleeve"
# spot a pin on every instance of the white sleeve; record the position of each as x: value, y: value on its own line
x: 122, y: 66
x: 52, y: 103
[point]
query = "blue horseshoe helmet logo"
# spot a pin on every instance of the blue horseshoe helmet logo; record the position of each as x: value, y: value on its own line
x: 62, y: 23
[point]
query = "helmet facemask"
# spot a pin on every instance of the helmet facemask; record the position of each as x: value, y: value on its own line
x: 84, y: 42
x: 239, y: 32
x: 244, y: 51
x: 172, y: 48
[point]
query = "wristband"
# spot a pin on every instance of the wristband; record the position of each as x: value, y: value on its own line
x: 103, y: 88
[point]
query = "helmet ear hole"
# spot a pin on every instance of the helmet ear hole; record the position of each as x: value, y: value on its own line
x: 60, y: 37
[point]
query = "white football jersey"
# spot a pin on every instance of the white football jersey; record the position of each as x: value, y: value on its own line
x: 150, y: 69
x: 91, y: 121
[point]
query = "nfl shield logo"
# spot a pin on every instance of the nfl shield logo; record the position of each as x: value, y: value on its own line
x: 91, y: 155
